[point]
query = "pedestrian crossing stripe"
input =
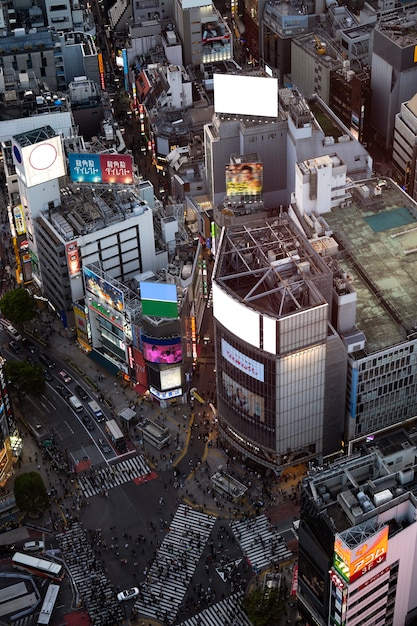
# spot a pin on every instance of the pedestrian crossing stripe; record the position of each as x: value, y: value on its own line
x: 100, y: 481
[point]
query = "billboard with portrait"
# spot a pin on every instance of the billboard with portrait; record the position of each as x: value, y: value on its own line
x: 245, y: 400
x: 73, y: 258
x: 352, y: 563
x: 244, y: 179
x: 162, y: 351
x: 213, y: 33
x: 103, y: 290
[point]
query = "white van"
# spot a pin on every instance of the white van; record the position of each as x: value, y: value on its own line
x: 75, y: 404
x: 13, y: 333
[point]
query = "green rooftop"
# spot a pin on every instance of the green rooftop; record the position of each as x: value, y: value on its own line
x: 378, y: 250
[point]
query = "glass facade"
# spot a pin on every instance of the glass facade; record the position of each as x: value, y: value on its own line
x: 246, y: 401
x: 382, y: 389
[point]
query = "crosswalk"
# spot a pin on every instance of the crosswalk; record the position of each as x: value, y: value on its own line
x: 26, y: 620
x: 228, y: 611
x: 172, y: 570
x: 99, y: 481
x: 260, y: 542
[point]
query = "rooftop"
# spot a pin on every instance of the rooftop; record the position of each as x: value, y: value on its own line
x: 400, y: 26
x: 377, y: 235
x: 379, y: 476
x: 266, y: 264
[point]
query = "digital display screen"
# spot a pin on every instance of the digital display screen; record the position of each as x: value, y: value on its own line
x: 165, y: 353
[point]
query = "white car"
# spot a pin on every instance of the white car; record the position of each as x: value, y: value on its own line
x: 34, y: 546
x: 128, y: 594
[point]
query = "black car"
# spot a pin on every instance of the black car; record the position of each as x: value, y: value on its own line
x: 29, y: 359
x: 63, y: 391
x: 14, y: 346
x: 104, y: 446
x: 88, y: 422
x: 28, y: 345
x: 45, y: 360
x: 81, y: 392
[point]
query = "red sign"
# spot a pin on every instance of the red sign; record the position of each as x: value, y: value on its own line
x: 73, y: 258
x: 116, y: 168
x: 294, y: 582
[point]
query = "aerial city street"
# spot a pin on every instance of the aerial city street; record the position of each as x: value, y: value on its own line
x: 208, y: 336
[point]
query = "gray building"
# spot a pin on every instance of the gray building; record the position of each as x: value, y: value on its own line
x: 281, y: 367
x: 394, y: 71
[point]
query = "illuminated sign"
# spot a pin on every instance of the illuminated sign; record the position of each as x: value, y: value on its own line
x: 73, y: 258
x: 170, y: 378
x: 101, y: 70
x: 19, y: 220
x: 101, y: 288
x: 162, y: 351
x: 159, y: 299
x: 101, y: 168
x: 244, y: 179
x: 40, y: 162
x: 242, y: 362
x: 351, y: 564
x: 166, y: 395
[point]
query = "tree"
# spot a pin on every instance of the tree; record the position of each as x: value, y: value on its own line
x: 25, y: 379
x: 264, y: 607
x: 18, y: 306
x: 30, y: 493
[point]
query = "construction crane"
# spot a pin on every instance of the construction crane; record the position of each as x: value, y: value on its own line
x: 320, y: 46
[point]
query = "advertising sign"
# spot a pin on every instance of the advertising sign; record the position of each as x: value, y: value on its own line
x: 38, y: 162
x: 242, y: 362
x: 73, y: 258
x: 170, y: 378
x: 108, y: 294
x: 101, y: 168
x: 159, y: 299
x: 162, y: 351
x: 244, y: 179
x: 19, y: 219
x: 354, y: 563
x: 213, y: 34
x: 245, y: 401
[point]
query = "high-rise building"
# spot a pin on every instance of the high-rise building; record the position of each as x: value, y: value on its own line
x: 358, y: 536
x: 277, y: 356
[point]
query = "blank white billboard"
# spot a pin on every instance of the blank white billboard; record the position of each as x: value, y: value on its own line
x: 236, y: 317
x: 246, y: 95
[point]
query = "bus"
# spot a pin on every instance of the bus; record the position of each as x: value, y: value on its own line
x: 116, y: 435
x: 95, y: 410
x: 228, y: 486
x: 156, y: 435
x: 40, y: 567
x: 48, y: 605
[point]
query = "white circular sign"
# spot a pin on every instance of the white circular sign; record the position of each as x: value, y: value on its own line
x: 43, y: 156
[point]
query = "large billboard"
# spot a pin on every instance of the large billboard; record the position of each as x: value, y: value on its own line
x: 244, y: 400
x: 242, y: 362
x: 101, y: 168
x: 244, y: 179
x: 73, y: 258
x: 103, y: 290
x: 162, y: 350
x: 159, y: 299
x: 245, y: 95
x: 352, y: 563
x: 213, y: 34
x: 39, y: 162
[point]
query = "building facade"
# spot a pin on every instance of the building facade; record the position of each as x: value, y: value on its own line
x: 358, y: 537
x: 271, y: 306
